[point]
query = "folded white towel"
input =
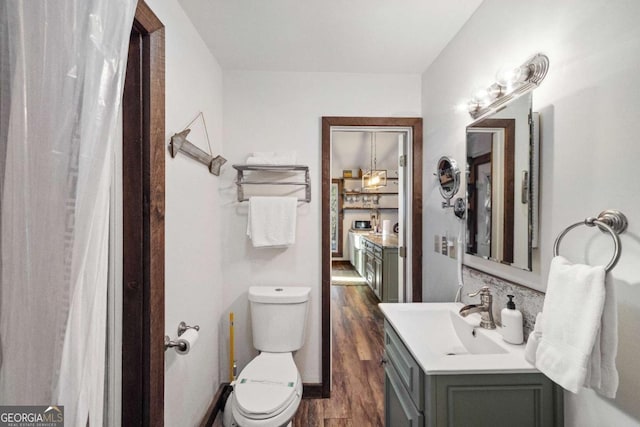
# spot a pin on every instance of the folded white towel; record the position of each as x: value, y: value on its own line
x: 272, y: 158
x: 578, y: 338
x: 533, y: 341
x: 272, y: 221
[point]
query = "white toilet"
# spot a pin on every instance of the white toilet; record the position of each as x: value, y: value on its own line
x: 268, y: 391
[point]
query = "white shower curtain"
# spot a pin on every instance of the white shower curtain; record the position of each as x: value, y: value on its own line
x: 62, y: 65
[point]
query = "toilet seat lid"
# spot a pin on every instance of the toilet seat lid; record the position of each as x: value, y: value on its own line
x: 267, y: 385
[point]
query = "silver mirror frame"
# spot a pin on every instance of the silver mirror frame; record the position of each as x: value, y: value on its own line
x: 454, y: 172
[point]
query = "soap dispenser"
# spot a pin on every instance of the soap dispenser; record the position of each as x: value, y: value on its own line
x: 512, y: 329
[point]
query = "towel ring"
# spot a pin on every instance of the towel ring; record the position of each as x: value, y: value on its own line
x: 611, y: 221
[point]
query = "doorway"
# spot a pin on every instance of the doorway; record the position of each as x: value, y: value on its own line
x: 412, y: 218
x: 143, y: 155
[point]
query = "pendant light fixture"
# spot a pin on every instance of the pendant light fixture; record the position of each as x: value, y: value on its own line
x: 374, y: 178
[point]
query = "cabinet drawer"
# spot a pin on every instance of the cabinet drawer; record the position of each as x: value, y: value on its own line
x: 405, y: 365
x: 377, y: 251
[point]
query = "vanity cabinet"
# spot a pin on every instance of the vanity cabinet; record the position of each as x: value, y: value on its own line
x: 413, y: 398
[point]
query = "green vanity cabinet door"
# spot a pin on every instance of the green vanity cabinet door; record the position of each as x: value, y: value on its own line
x: 494, y: 400
x: 405, y: 366
x: 399, y: 408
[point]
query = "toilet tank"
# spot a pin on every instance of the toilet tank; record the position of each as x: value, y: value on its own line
x: 278, y: 317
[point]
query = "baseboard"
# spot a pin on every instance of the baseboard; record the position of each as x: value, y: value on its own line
x: 215, y: 406
x: 312, y: 391
x: 309, y: 391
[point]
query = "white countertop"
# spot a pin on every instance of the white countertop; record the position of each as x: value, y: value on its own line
x: 427, y: 331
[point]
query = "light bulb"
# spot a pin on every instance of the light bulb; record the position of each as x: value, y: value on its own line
x: 508, y: 77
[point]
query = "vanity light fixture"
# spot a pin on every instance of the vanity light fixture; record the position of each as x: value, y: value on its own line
x: 374, y: 178
x: 510, y: 83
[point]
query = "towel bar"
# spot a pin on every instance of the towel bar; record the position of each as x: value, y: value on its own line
x: 612, y: 221
x: 242, y: 179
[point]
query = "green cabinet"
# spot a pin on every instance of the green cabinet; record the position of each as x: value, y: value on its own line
x: 399, y: 410
x: 413, y: 398
x: 381, y: 270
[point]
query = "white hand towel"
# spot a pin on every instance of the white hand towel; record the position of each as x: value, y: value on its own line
x: 572, y: 316
x: 533, y: 341
x: 602, y: 375
x: 272, y: 221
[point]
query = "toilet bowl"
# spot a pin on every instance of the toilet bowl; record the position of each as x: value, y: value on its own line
x: 268, y: 391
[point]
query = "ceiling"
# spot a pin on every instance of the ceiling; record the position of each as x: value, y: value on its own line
x: 348, y: 36
x: 353, y: 150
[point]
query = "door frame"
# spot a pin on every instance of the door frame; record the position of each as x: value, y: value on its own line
x: 143, y: 205
x: 415, y: 123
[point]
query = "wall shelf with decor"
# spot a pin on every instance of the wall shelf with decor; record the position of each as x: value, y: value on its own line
x: 368, y: 209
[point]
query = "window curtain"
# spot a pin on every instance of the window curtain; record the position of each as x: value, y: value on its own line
x: 62, y: 65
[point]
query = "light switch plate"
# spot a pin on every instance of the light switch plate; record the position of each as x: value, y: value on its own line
x: 436, y: 243
x: 444, y: 246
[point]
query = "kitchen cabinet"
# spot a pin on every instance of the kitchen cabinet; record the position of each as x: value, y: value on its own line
x: 415, y: 399
x: 356, y: 252
x: 381, y: 267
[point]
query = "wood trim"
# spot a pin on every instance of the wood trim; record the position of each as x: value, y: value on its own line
x: 340, y: 184
x: 216, y: 405
x: 472, y: 193
x: 133, y: 253
x: 416, y: 214
x: 147, y: 20
x: 312, y: 391
x: 143, y: 222
x: 416, y: 218
x: 325, y: 268
x: 509, y: 126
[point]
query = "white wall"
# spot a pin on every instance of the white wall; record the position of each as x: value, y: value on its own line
x: 589, y: 116
x: 193, y: 289
x: 271, y: 111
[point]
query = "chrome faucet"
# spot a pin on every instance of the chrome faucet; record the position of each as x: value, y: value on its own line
x: 485, y: 308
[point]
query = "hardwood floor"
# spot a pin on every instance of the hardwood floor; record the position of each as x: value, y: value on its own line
x: 357, y: 379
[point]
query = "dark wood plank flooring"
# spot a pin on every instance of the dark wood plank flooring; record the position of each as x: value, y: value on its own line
x: 357, y: 379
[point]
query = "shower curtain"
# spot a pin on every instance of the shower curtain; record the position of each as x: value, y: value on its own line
x: 62, y: 65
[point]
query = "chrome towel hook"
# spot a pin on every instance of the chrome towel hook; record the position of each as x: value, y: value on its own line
x: 611, y: 221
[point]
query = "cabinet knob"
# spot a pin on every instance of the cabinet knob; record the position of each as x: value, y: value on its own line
x: 383, y: 361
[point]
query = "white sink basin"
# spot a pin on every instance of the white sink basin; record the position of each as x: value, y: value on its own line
x: 473, y: 341
x: 444, y: 342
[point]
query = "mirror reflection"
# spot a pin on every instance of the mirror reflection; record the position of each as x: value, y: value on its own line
x: 448, y: 177
x: 499, y: 215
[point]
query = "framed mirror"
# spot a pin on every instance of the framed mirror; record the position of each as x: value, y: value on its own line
x: 448, y: 175
x: 499, y: 170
